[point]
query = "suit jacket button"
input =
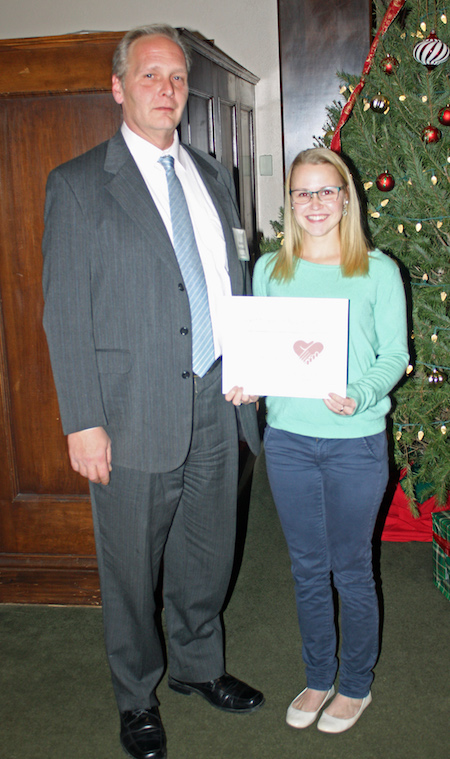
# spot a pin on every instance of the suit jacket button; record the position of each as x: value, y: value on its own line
x: 184, y: 331
x: 181, y: 287
x: 186, y: 375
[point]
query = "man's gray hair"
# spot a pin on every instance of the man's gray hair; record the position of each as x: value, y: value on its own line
x: 120, y: 57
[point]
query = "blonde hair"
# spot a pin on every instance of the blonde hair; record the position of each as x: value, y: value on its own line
x: 354, y: 244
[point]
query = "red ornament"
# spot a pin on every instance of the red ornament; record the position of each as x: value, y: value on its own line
x: 444, y: 116
x: 431, y: 52
x: 385, y: 182
x: 431, y: 134
x: 389, y: 65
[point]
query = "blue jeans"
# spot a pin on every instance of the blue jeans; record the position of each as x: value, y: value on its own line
x: 328, y: 493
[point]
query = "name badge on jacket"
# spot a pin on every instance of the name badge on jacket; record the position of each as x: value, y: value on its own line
x: 240, y: 240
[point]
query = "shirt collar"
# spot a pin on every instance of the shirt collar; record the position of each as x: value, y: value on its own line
x: 138, y: 146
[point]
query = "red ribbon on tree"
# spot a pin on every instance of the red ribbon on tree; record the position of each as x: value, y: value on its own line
x: 394, y: 8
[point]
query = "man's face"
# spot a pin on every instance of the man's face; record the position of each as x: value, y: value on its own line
x: 154, y: 91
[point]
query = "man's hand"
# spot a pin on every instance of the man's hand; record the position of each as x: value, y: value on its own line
x: 90, y: 454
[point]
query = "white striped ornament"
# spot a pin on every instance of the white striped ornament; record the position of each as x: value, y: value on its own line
x: 432, y: 51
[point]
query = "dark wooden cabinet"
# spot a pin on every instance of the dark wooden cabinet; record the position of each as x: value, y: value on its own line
x: 55, y: 103
x: 219, y: 120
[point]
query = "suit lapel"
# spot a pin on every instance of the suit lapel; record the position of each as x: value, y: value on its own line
x: 127, y: 186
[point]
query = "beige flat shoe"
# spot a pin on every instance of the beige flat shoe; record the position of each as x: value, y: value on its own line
x: 298, y: 718
x: 328, y: 724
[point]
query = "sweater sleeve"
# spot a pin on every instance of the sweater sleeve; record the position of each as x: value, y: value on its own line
x: 392, y: 347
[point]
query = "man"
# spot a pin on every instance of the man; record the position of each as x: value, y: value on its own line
x: 138, y: 375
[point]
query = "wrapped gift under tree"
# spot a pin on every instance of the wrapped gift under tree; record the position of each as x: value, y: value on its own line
x: 441, y: 551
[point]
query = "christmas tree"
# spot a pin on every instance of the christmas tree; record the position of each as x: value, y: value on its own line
x: 395, y: 128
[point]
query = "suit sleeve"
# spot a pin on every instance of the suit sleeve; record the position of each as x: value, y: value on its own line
x: 67, y: 248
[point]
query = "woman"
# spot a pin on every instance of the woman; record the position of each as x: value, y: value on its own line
x: 327, y: 460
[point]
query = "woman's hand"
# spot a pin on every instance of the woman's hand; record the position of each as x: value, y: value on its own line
x: 237, y: 397
x: 339, y: 405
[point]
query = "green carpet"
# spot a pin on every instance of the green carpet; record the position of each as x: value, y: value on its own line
x: 56, y: 699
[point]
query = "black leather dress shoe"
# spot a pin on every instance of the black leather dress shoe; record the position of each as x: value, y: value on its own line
x: 226, y: 693
x: 142, y: 734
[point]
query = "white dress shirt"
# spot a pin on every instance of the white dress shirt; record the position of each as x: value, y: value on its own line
x: 205, y: 220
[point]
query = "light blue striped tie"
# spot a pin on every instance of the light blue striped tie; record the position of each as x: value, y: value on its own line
x: 192, y: 270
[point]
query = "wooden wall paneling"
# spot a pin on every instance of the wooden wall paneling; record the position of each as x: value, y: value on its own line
x: 55, y: 103
x: 317, y: 39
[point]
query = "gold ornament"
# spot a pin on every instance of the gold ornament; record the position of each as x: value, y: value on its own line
x: 436, y: 378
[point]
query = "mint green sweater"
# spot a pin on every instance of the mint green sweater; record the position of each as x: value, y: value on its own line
x: 378, y: 351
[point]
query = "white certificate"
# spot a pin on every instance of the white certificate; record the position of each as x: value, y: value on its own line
x: 293, y: 347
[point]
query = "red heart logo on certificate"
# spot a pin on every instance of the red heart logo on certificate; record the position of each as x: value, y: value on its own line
x: 307, y: 352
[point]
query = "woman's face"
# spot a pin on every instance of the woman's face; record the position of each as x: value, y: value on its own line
x: 320, y: 216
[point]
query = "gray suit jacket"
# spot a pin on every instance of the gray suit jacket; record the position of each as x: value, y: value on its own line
x: 115, y: 303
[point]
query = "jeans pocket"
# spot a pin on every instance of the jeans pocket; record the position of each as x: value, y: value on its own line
x: 376, y: 445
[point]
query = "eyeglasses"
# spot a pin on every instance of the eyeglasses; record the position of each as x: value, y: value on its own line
x: 325, y: 194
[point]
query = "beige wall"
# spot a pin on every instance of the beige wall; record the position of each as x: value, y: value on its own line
x: 247, y: 31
